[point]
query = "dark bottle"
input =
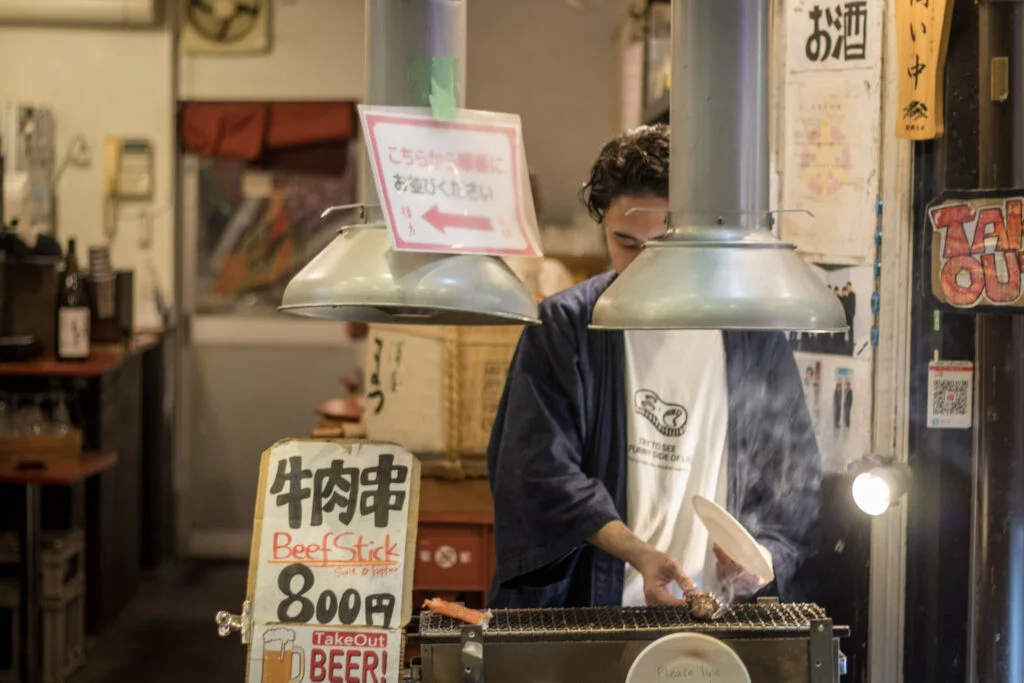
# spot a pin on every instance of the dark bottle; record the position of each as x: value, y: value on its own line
x: 72, y: 311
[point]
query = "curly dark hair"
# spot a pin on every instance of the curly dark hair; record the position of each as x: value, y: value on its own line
x: 635, y: 163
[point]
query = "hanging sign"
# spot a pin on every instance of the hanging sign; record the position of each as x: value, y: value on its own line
x: 976, y: 256
x: 330, y: 572
x: 922, y: 36
x: 826, y: 36
x: 950, y: 394
x: 458, y: 187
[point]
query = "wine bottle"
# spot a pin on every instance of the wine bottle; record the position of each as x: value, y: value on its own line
x: 72, y: 311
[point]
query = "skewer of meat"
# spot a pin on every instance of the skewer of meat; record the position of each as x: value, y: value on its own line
x: 458, y: 612
x: 703, y: 605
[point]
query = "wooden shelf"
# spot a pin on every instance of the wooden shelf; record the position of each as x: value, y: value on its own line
x: 103, y: 359
x: 63, y: 475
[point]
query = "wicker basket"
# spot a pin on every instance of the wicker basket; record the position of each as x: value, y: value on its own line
x: 47, y: 450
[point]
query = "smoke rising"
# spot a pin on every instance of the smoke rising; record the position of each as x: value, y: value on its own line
x: 776, y: 486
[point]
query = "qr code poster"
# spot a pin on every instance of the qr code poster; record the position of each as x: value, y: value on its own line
x: 950, y: 394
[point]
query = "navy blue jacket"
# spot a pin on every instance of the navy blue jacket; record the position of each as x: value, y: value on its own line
x: 557, y: 456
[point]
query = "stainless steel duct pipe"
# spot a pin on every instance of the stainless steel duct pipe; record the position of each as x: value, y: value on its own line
x: 719, y: 267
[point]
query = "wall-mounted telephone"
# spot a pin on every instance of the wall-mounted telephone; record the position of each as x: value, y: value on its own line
x: 129, y: 168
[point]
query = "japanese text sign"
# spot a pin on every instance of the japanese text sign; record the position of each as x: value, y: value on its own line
x: 456, y: 187
x: 334, y: 524
x: 976, y: 248
x: 825, y: 36
x: 922, y: 35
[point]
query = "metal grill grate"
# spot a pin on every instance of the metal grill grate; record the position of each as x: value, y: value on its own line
x: 588, y: 622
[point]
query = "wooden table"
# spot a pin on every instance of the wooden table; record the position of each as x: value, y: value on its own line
x: 117, y: 398
x: 33, y: 480
x: 103, y: 359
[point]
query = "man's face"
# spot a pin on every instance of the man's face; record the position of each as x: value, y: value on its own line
x: 626, y: 234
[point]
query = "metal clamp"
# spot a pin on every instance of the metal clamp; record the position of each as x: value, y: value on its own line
x: 228, y: 623
x: 822, y: 660
x: 472, y: 654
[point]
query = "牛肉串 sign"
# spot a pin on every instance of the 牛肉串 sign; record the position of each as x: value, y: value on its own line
x: 976, y: 248
x: 334, y: 525
x: 452, y: 186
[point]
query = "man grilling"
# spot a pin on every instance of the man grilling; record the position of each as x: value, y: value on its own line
x: 603, y: 438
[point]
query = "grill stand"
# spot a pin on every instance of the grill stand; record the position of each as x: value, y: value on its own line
x: 778, y: 643
x: 472, y: 654
x: 824, y: 664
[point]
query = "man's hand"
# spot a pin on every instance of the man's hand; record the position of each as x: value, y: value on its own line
x: 660, y: 571
x: 735, y: 578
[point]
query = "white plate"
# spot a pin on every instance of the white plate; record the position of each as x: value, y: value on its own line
x: 732, y: 538
x: 688, y: 658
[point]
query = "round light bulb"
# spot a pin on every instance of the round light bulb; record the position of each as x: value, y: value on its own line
x: 872, y: 493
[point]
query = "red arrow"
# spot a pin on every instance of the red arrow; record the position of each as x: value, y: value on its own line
x: 442, y: 221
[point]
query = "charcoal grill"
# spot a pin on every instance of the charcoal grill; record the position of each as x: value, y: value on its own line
x: 778, y: 643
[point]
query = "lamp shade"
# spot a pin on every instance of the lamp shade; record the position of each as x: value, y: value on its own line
x: 358, y: 277
x: 759, y: 284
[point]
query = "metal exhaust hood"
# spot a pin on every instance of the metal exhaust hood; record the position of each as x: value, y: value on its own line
x: 719, y: 266
x: 359, y: 277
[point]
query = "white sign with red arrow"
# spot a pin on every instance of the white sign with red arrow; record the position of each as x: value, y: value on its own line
x: 457, y: 187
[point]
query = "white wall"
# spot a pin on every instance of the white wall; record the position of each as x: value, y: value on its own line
x: 316, y: 52
x: 551, y: 64
x: 103, y: 82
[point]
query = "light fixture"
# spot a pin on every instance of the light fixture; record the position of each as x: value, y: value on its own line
x: 719, y: 266
x: 359, y: 277
x: 878, y: 483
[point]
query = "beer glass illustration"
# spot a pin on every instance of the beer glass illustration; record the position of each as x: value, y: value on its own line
x: 280, y: 656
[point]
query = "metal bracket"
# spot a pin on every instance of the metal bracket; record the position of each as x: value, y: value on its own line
x: 348, y: 207
x: 228, y: 623
x: 773, y: 212
x: 472, y: 654
x: 824, y: 665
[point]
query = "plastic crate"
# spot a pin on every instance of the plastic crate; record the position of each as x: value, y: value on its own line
x: 63, y: 559
x: 10, y: 631
x: 64, y: 633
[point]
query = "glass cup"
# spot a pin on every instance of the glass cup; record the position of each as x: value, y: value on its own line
x: 280, y: 655
x: 60, y: 420
x: 29, y: 420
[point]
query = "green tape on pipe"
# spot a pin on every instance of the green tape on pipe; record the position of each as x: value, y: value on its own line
x: 435, y: 84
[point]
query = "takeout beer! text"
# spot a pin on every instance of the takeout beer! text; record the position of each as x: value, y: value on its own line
x: 348, y: 657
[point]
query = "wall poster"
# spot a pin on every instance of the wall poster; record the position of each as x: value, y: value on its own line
x: 831, y: 129
x: 836, y: 370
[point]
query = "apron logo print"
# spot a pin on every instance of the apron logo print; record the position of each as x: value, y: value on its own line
x: 668, y: 418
